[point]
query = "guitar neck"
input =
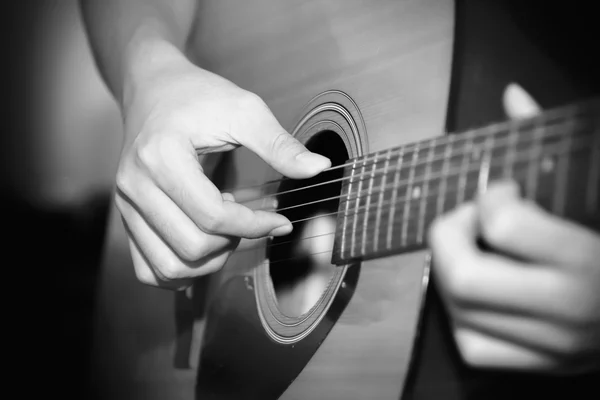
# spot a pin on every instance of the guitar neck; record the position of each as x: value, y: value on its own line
x: 391, y: 197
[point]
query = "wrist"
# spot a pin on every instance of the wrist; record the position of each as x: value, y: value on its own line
x: 149, y: 51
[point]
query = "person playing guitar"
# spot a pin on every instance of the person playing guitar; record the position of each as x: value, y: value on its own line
x: 529, y: 302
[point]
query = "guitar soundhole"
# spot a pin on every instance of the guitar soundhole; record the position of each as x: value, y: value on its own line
x: 300, y: 266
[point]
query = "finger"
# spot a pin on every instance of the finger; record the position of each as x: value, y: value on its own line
x: 493, y: 283
x: 562, y: 341
x: 256, y: 198
x: 521, y: 228
x: 470, y: 278
x: 518, y: 103
x: 181, y: 178
x: 260, y: 131
x: 483, y: 351
x: 146, y: 275
x: 168, y: 221
x: 163, y: 261
x: 452, y: 237
x: 227, y: 196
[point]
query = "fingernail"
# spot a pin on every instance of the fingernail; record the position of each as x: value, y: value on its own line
x: 227, y: 196
x: 272, y: 203
x: 282, y: 230
x: 315, y: 160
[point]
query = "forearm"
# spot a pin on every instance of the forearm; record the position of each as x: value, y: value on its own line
x: 128, y: 36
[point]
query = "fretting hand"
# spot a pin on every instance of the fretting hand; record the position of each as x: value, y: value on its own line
x: 533, y: 302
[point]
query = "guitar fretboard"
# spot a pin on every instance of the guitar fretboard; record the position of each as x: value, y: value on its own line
x: 390, y: 198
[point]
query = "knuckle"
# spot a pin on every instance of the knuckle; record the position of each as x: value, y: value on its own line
x: 251, y: 101
x: 497, y: 227
x: 437, y: 231
x: 145, y: 155
x: 213, y: 222
x: 171, y: 270
x: 193, y: 249
x: 281, y: 141
x: 122, y: 180
x: 145, y: 275
x: 459, y: 283
x: 469, y: 349
x: 468, y: 355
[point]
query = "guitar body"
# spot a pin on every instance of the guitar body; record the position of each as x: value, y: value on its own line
x: 392, y: 59
x: 387, y: 64
x: 348, y: 78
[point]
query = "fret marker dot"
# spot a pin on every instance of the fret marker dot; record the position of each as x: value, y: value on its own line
x: 547, y: 164
x: 416, y: 192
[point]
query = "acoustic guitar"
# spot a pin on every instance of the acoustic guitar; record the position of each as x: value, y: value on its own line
x: 335, y: 309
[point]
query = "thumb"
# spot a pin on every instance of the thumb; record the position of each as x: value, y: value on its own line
x: 270, y: 141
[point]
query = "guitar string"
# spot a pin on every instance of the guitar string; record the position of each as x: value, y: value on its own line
x: 298, y: 257
x: 465, y: 135
x: 499, y: 145
x: 355, y: 214
x: 362, y: 163
x: 359, y: 211
x: 401, y: 201
x: 294, y: 241
x: 368, y: 233
x: 425, y: 178
x: 448, y: 173
x: 430, y: 194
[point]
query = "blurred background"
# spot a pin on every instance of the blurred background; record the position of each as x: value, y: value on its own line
x: 60, y: 145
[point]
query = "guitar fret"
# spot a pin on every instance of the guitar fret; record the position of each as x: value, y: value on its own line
x: 357, y: 205
x: 533, y: 168
x: 444, y: 178
x: 547, y: 166
x: 484, y: 168
x: 509, y: 158
x: 409, y: 194
x: 368, y: 204
x: 390, y: 226
x: 380, y: 201
x: 464, y: 168
x: 553, y: 157
x: 347, y: 210
x: 423, y: 202
x: 561, y: 177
